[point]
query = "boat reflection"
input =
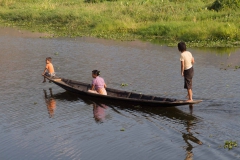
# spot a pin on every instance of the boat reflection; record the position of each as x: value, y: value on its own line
x: 100, y: 107
x: 50, y: 102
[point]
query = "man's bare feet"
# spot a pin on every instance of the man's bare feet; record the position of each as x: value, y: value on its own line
x: 190, y: 100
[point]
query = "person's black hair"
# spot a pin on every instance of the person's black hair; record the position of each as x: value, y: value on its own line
x: 182, y: 46
x: 49, y: 59
x: 96, y: 72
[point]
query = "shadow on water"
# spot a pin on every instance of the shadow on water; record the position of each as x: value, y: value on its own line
x: 100, y: 106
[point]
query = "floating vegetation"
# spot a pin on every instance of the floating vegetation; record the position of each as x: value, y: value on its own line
x: 35, y: 103
x: 56, y: 53
x: 230, y: 66
x: 230, y: 144
x: 124, y: 84
x: 122, y: 129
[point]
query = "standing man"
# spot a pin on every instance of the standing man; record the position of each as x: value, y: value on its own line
x: 187, y: 61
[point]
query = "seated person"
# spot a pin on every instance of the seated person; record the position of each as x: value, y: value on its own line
x: 98, y: 84
x: 49, y: 69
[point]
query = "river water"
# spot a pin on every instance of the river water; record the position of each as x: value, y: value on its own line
x: 42, y: 121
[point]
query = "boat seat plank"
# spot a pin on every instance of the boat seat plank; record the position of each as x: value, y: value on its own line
x: 135, y: 95
x: 129, y: 94
x: 146, y: 97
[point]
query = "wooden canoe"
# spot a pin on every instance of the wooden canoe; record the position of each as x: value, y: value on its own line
x: 119, y: 95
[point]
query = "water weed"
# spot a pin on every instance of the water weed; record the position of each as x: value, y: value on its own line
x: 230, y: 144
x: 122, y: 129
x: 124, y: 84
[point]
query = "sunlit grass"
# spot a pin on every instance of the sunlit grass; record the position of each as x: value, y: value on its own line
x: 153, y: 20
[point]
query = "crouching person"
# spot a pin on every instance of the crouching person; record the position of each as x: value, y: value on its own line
x: 98, y: 84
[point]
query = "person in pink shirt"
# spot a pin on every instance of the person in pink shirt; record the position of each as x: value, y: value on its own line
x: 98, y: 83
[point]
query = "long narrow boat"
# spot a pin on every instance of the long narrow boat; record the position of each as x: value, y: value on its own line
x: 119, y: 95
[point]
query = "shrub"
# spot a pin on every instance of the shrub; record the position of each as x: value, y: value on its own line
x: 97, y: 1
x: 218, y: 5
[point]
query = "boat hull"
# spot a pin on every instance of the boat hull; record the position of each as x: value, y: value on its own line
x: 81, y: 89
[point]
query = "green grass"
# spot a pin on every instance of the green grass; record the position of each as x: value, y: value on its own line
x: 197, y: 22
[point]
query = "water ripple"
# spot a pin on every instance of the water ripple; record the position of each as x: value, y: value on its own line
x: 42, y: 121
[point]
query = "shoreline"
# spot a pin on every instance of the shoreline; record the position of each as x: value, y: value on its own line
x: 16, y: 32
x: 26, y: 33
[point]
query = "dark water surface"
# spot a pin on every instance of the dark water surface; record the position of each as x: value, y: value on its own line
x: 42, y: 121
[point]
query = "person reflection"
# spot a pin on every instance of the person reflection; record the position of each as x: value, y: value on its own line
x: 191, y: 109
x: 51, y: 103
x: 189, y: 136
x: 99, y: 112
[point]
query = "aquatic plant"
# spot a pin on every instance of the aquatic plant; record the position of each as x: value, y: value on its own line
x: 124, y: 84
x: 230, y: 144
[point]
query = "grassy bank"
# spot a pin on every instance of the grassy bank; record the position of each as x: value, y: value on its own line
x: 198, y: 22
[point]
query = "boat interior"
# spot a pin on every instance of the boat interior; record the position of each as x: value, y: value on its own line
x: 116, y: 93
